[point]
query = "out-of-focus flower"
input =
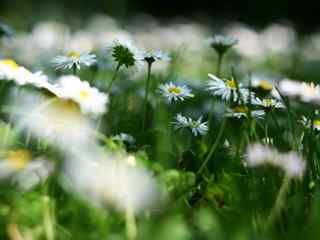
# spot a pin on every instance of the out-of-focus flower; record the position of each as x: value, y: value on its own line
x: 74, y: 59
x: 155, y: 55
x: 290, y: 163
x: 268, y: 103
x: 124, y: 137
x: 10, y: 70
x: 262, y: 83
x: 53, y: 119
x: 221, y: 44
x: 124, y: 53
x: 227, y: 89
x: 19, y: 167
x: 243, y: 111
x: 307, y: 92
x: 175, y: 92
x: 109, y: 180
x: 90, y: 99
x: 197, y: 127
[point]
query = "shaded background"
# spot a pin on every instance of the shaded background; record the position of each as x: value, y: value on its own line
x: 303, y: 15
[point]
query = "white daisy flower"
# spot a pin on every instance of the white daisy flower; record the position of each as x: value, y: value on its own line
x: 197, y: 127
x: 10, y: 70
x: 222, y: 43
x: 290, y: 163
x: 307, y: 123
x: 124, y: 137
x: 267, y: 103
x: 155, y: 55
x: 90, y: 99
x: 262, y: 83
x: 226, y: 89
x: 74, y: 59
x: 243, y: 111
x: 19, y: 167
x: 175, y: 92
x: 124, y: 52
x: 310, y: 92
x: 290, y: 88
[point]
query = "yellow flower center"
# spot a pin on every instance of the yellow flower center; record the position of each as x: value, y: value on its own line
x: 74, y: 55
x: 231, y: 84
x: 265, y: 85
x: 19, y: 158
x: 241, y: 109
x: 175, y: 90
x: 84, y: 94
x: 316, y: 123
x: 268, y: 102
x: 9, y: 63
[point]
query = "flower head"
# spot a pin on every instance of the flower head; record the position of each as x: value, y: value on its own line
x: 197, y: 127
x: 262, y: 83
x: 124, y: 53
x: 290, y: 163
x: 268, y: 103
x: 228, y: 89
x: 124, y: 137
x: 221, y: 44
x: 90, y: 99
x: 243, y: 111
x: 155, y: 55
x: 175, y: 92
x: 74, y: 59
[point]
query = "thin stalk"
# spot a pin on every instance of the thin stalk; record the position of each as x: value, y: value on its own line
x: 219, y: 64
x: 48, y: 218
x: 74, y: 70
x: 276, y: 210
x: 131, y: 227
x: 114, y: 77
x: 145, y: 101
x: 214, y: 146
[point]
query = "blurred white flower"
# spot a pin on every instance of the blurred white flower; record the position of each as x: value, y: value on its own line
x: 263, y: 83
x: 267, y: 103
x: 54, y: 120
x: 290, y: 163
x: 90, y: 99
x: 197, y: 127
x: 227, y: 89
x: 221, y: 43
x: 110, y: 180
x: 289, y: 87
x: 23, y: 171
x: 151, y: 56
x: 307, y: 123
x: 74, y: 59
x: 175, y: 92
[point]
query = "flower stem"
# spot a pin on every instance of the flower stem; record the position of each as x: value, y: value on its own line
x: 114, y: 77
x: 276, y: 210
x: 131, y: 227
x: 74, y: 70
x: 145, y: 102
x: 48, y: 218
x: 214, y: 146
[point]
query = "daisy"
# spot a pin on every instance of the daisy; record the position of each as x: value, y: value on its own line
x: 310, y: 92
x: 243, y: 111
x: 307, y: 123
x: 155, y: 55
x: 222, y: 43
x: 175, y: 92
x: 290, y: 162
x: 74, y: 59
x: 290, y: 88
x: 268, y: 103
x: 19, y: 167
x: 10, y: 70
x: 262, y: 83
x: 90, y: 99
x: 124, y: 53
x: 197, y: 127
x: 227, y: 89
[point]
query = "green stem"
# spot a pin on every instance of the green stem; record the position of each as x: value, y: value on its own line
x: 214, y: 146
x: 48, y: 218
x: 276, y: 210
x: 114, y: 77
x: 145, y: 102
x: 131, y: 227
x: 74, y: 70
